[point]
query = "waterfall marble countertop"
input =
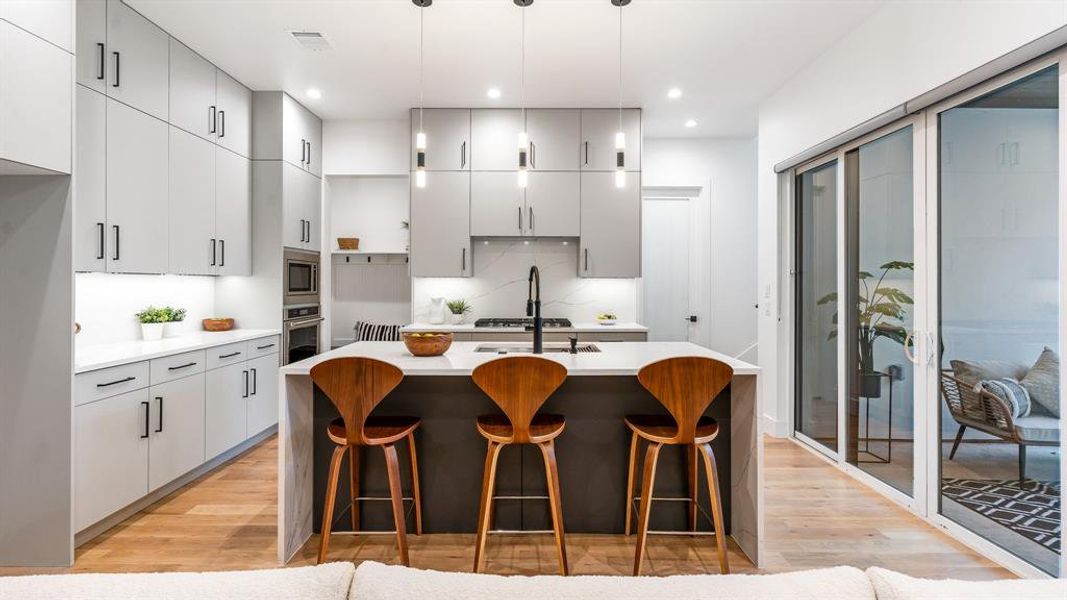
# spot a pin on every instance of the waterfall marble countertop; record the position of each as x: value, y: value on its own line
x: 574, y: 328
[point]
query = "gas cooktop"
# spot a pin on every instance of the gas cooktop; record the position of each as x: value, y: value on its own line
x: 521, y: 323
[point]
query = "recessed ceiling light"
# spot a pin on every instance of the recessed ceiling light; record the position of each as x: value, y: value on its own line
x: 674, y: 93
x: 691, y: 123
x: 494, y: 93
x: 314, y: 93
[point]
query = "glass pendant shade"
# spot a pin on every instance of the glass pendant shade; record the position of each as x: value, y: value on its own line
x: 420, y: 160
x: 524, y: 158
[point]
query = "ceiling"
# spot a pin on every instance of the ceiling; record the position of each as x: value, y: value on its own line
x: 726, y: 56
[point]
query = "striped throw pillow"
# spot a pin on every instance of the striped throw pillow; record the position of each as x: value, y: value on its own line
x: 1010, y: 391
x: 374, y: 332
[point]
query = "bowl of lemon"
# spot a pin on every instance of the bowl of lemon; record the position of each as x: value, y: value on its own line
x: 427, y: 343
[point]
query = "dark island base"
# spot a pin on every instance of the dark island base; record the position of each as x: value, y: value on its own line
x: 592, y: 454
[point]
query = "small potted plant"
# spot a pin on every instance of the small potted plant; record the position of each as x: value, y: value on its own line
x: 174, y: 316
x: 459, y: 309
x: 153, y: 320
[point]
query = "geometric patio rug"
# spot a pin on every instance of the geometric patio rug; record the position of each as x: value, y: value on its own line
x: 1031, y: 509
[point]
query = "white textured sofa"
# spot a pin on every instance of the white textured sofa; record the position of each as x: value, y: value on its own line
x: 374, y: 581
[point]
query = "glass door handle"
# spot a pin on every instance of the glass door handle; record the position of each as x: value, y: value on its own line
x: 930, y: 352
x: 907, y: 348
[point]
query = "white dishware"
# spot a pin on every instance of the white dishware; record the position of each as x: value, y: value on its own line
x: 438, y: 311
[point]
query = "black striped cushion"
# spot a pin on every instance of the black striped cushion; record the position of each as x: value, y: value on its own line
x: 373, y: 332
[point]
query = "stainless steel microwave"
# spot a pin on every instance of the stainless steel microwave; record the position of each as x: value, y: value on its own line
x: 301, y: 274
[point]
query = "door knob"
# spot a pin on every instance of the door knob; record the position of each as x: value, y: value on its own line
x: 691, y: 318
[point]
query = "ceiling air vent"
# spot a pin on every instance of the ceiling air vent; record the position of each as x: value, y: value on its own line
x: 311, y: 40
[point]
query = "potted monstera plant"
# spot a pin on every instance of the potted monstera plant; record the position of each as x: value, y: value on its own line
x: 881, y: 310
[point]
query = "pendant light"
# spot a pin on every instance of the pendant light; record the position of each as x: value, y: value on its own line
x: 524, y: 139
x: 420, y: 137
x: 620, y: 137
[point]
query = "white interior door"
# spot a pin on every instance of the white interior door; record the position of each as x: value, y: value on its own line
x: 665, y: 268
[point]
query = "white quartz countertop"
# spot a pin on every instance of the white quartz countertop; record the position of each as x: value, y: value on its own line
x: 101, y: 356
x: 614, y: 358
x: 574, y: 328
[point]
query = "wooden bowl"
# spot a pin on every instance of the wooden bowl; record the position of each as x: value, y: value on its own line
x: 217, y: 324
x: 348, y: 243
x: 428, y: 343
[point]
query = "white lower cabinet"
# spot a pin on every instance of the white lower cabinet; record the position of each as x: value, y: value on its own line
x: 111, y: 438
x: 176, y: 445
x: 136, y: 441
x: 263, y: 393
x: 226, y: 414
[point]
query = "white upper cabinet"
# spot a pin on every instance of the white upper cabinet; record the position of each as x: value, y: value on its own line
x: 448, y: 138
x: 137, y: 194
x: 51, y: 20
x: 233, y: 213
x: 234, y: 130
x: 302, y: 221
x: 599, y: 126
x: 301, y: 136
x: 193, y: 105
x: 610, y: 227
x: 36, y: 101
x: 92, y: 44
x: 193, y: 246
x: 137, y: 54
x: 555, y: 138
x: 497, y: 205
x: 495, y: 139
x: 440, y: 226
x: 90, y: 181
x: 553, y: 204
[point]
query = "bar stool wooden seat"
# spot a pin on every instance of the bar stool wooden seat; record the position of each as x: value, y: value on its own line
x: 356, y: 386
x: 686, y: 387
x: 519, y: 385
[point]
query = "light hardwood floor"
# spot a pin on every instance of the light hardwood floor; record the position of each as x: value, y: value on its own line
x: 816, y: 517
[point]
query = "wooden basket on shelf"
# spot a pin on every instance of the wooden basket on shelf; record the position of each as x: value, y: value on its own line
x: 348, y: 243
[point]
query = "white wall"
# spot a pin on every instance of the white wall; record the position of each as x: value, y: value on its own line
x: 371, y: 208
x: 726, y: 169
x: 365, y: 147
x: 901, y: 51
x: 105, y: 304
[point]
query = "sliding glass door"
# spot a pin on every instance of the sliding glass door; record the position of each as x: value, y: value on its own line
x: 999, y: 321
x: 816, y: 368
x: 880, y: 286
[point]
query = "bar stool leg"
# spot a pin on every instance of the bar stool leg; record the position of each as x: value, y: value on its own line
x: 716, y: 507
x: 415, y: 485
x: 353, y: 484
x: 548, y: 449
x: 485, y: 507
x: 691, y: 463
x: 647, y: 483
x: 331, y: 497
x: 631, y: 479
x: 396, y: 493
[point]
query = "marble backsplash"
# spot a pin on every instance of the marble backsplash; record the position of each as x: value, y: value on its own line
x: 499, y: 285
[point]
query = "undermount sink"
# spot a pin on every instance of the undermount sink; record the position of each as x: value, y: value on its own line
x: 524, y: 349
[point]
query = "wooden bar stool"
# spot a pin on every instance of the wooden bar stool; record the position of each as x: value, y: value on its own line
x: 685, y: 387
x: 519, y: 385
x: 355, y: 386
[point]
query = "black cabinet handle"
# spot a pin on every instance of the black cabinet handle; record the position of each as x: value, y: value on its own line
x: 159, y: 427
x: 264, y: 347
x: 303, y: 151
x: 254, y: 382
x: 587, y: 153
x: 213, y: 252
x: 100, y: 68
x: 230, y: 355
x: 533, y: 155
x: 117, y: 235
x: 520, y: 217
x: 145, y: 404
x: 529, y: 209
x: 222, y: 123
x: 111, y: 383
x: 212, y: 120
x: 464, y: 261
x: 117, y: 70
x: 246, y: 383
x: 222, y: 253
x: 309, y: 153
x: 587, y: 259
x: 185, y: 366
x: 100, y: 254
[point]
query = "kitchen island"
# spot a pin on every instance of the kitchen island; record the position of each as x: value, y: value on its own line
x: 593, y: 451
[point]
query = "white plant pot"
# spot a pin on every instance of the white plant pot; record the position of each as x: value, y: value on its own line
x: 151, y: 332
x: 457, y: 319
x: 172, y: 329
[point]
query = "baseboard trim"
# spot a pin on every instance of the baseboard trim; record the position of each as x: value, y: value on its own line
x: 775, y: 428
x: 103, y: 525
